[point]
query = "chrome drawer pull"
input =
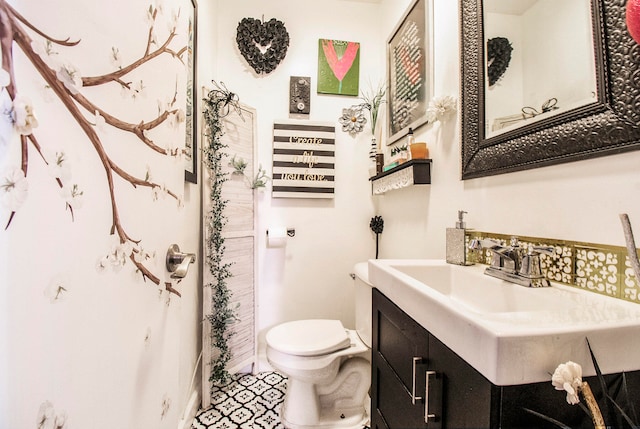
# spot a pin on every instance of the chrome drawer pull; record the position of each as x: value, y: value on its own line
x: 427, y: 416
x: 414, y: 398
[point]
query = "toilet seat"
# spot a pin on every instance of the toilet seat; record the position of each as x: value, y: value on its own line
x: 314, y: 337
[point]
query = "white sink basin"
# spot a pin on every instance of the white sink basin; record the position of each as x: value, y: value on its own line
x: 512, y: 334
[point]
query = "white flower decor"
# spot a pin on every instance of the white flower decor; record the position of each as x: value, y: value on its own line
x: 100, y: 121
x: 441, y: 107
x: 46, y: 52
x: 57, y: 289
x: 24, y: 119
x: 175, y: 119
x: 172, y: 21
x: 47, y: 417
x: 138, y: 90
x: 6, y: 122
x: 159, y: 192
x: 60, y: 168
x: 119, y: 254
x: 166, y: 405
x: 13, y: 189
x: 102, y: 264
x: 72, y: 195
x: 71, y: 77
x: 115, y: 58
x: 568, y: 377
x: 143, y: 255
x: 353, y: 120
x: 147, y: 175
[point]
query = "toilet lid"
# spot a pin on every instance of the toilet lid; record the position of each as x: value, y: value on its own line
x: 308, y: 337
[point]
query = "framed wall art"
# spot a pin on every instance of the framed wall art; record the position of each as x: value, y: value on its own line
x: 338, y: 67
x: 191, y: 141
x: 303, y: 159
x: 410, y: 70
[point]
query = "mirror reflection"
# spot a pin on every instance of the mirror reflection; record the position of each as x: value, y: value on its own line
x: 539, y: 61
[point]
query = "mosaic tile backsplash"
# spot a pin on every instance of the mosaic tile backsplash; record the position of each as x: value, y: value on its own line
x: 597, y: 268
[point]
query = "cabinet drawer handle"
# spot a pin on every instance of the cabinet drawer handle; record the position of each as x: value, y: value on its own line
x: 414, y: 398
x: 428, y: 415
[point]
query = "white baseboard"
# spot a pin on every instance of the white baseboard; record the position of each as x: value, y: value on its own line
x: 190, y: 411
x: 263, y: 364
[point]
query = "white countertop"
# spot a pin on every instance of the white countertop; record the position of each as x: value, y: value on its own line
x: 512, y: 334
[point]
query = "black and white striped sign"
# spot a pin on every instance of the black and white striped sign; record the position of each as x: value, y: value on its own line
x: 303, y: 160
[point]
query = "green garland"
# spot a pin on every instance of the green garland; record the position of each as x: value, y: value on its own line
x: 215, y: 103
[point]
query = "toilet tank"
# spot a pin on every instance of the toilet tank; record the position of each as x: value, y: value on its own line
x: 363, y: 302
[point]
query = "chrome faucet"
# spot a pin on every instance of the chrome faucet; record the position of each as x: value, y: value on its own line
x: 514, y: 263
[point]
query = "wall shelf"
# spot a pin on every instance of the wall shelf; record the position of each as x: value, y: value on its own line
x: 413, y: 172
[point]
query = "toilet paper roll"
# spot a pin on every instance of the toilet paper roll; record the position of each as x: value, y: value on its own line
x: 276, y: 237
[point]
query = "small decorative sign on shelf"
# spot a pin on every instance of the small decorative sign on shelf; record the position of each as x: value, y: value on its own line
x: 303, y: 159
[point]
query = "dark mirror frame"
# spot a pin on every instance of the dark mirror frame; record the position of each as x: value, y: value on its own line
x: 609, y: 126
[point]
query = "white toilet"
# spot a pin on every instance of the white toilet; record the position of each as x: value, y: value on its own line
x: 328, y: 367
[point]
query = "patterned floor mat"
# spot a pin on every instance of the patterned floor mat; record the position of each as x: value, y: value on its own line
x: 247, y: 402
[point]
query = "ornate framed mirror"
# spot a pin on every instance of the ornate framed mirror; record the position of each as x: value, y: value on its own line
x: 543, y: 134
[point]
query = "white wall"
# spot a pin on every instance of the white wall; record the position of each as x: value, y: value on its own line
x: 575, y: 201
x: 310, y: 278
x: 116, y: 351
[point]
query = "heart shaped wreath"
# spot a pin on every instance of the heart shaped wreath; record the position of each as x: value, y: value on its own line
x: 498, y: 58
x: 262, y: 44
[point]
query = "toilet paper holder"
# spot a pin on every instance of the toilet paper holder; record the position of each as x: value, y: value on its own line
x: 291, y: 232
x: 177, y: 262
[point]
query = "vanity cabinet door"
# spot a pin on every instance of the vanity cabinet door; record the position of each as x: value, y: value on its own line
x: 399, y: 351
x: 464, y: 398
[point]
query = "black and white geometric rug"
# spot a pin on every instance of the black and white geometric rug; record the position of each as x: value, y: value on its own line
x: 247, y: 402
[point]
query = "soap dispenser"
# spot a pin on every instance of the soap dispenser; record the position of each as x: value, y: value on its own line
x: 456, y: 242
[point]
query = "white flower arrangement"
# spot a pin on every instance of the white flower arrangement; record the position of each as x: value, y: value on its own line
x: 441, y: 107
x: 568, y: 377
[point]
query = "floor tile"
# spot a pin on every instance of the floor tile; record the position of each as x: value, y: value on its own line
x: 247, y: 402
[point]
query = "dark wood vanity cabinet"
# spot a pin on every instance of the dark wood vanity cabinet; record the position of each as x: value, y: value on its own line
x: 458, y: 396
x: 402, y: 354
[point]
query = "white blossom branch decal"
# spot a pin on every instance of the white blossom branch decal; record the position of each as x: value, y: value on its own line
x: 66, y: 81
x: 48, y: 418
